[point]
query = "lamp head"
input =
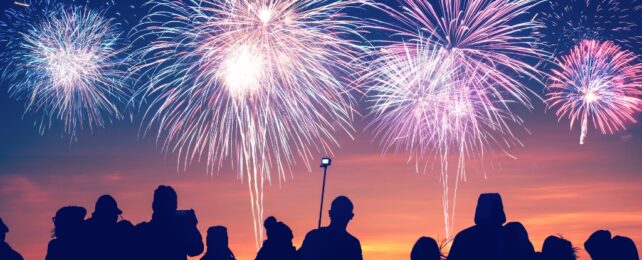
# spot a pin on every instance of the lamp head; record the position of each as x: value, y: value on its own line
x: 325, y: 162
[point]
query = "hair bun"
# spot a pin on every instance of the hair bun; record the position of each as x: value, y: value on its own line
x: 269, y: 222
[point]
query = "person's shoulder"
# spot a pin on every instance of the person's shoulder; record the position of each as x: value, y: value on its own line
x: 7, y: 251
x: 125, y: 224
x: 466, y: 234
x: 351, y: 237
x: 469, y: 230
x: 143, y: 224
x: 53, y: 242
x: 315, y: 232
x: 141, y: 227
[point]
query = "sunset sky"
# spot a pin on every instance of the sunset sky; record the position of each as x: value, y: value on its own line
x: 554, y: 186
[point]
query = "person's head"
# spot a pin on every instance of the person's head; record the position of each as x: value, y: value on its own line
x: 341, y: 212
x: 518, y: 243
x: 277, y: 231
x: 490, y: 210
x: 516, y: 230
x: 68, y: 221
x: 3, y: 230
x: 425, y: 248
x: 165, y: 201
x: 598, y: 245
x: 107, y: 209
x: 217, y: 237
x: 624, y: 248
x: 558, y: 248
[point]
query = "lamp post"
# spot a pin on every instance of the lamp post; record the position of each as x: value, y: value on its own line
x: 325, y: 162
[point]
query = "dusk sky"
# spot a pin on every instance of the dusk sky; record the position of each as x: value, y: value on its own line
x: 555, y: 186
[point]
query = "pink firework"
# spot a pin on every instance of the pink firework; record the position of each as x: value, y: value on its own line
x: 254, y: 83
x: 451, y: 94
x: 597, y: 82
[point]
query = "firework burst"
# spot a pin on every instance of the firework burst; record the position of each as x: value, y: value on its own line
x: 597, y: 82
x: 65, y: 62
x: 567, y: 22
x: 253, y: 82
x: 451, y: 92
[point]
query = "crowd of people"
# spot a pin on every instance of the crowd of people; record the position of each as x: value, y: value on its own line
x: 172, y: 234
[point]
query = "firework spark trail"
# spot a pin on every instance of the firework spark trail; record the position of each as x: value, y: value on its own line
x: 565, y: 23
x: 597, y: 82
x: 481, y: 46
x: 65, y: 62
x: 256, y: 82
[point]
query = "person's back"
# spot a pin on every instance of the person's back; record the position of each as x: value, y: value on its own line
x: 217, y: 244
x: 68, y: 242
x: 484, y: 241
x: 624, y: 249
x: 333, y: 242
x: 6, y: 252
x: 171, y: 234
x: 425, y: 248
x: 557, y: 248
x: 106, y: 237
x: 278, y: 244
x: 516, y: 242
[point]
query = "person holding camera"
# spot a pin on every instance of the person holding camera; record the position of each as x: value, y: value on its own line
x: 171, y: 234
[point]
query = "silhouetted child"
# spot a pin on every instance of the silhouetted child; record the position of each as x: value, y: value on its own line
x: 624, y: 249
x: 68, y: 242
x: 278, y: 244
x: 425, y: 248
x: 6, y: 252
x: 557, y: 248
x: 334, y: 241
x: 217, y: 244
x: 170, y: 234
x: 516, y: 242
x: 108, y: 238
x: 598, y: 245
x: 484, y: 241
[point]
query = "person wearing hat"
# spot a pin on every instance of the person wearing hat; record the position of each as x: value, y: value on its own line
x: 278, y: 244
x: 107, y: 237
x: 6, y: 252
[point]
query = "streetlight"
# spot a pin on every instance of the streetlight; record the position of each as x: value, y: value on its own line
x: 325, y: 162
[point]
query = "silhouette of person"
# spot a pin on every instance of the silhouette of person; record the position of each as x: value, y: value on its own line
x: 557, y: 248
x: 516, y: 242
x: 426, y: 248
x: 334, y: 241
x: 6, y: 252
x: 108, y: 238
x: 68, y: 242
x: 217, y: 244
x: 598, y: 245
x: 624, y: 249
x: 278, y: 244
x: 170, y: 234
x: 485, y: 239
